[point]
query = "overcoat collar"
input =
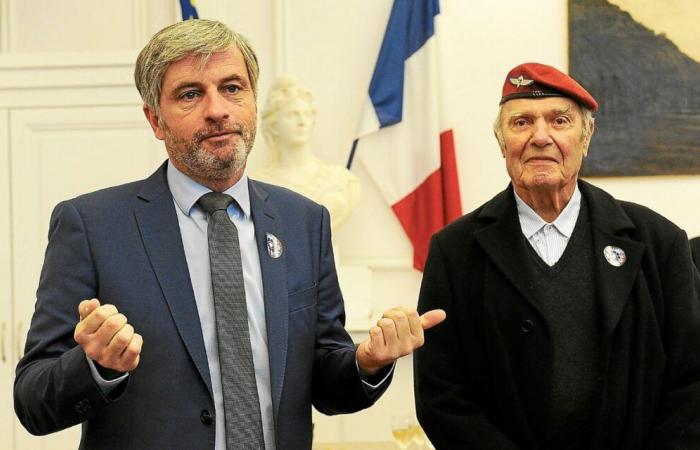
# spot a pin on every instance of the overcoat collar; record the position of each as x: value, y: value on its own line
x: 501, y: 237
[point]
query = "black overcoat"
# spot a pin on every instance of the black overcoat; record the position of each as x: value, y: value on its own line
x: 695, y: 250
x: 489, y: 361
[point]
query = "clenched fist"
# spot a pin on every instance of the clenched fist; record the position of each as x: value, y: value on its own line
x: 106, y: 337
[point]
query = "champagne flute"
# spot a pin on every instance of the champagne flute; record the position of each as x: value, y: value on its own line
x: 427, y: 445
x: 401, y: 430
x: 417, y: 434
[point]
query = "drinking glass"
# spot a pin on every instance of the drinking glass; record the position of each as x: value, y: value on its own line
x: 418, y: 435
x: 402, y: 431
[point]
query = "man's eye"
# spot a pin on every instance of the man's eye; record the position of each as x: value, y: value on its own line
x: 519, y: 123
x: 232, y: 89
x: 189, y: 95
x: 561, y: 120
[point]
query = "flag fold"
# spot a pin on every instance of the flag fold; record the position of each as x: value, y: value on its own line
x: 401, y: 140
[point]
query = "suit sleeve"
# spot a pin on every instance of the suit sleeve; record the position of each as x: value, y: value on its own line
x: 54, y: 388
x: 337, y: 385
x: 444, y: 399
x: 677, y: 418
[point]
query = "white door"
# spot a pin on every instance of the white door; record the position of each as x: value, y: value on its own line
x: 7, y: 360
x: 56, y: 154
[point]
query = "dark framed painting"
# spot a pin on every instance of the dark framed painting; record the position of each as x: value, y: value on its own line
x: 644, y: 71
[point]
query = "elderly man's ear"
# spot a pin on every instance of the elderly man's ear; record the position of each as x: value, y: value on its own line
x: 588, y: 139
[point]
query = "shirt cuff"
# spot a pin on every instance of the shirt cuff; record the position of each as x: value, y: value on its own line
x: 373, y: 382
x: 107, y: 386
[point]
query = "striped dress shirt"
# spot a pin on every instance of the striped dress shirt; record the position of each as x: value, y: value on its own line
x: 549, y: 239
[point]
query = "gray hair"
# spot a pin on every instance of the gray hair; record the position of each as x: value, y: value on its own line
x: 586, y: 116
x: 190, y: 37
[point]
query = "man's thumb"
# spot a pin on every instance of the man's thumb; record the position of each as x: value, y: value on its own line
x: 432, y: 318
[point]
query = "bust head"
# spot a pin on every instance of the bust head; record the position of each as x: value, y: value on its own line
x: 287, y: 121
x: 288, y: 116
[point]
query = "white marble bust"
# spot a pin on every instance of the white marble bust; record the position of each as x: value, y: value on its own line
x: 287, y: 124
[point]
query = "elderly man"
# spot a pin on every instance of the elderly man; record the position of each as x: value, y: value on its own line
x: 573, y: 319
x: 227, y: 284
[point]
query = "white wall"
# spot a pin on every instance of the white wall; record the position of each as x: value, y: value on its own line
x: 331, y: 47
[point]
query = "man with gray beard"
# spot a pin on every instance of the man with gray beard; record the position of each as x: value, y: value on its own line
x: 227, y: 284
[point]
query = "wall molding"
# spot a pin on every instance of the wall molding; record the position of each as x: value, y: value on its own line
x: 53, y: 60
x: 4, y: 26
x: 141, y: 13
x: 279, y: 15
x: 67, y: 79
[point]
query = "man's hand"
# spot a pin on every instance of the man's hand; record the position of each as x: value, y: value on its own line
x: 397, y: 333
x: 106, y: 337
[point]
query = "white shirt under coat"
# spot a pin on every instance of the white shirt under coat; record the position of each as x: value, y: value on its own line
x: 193, y: 228
x: 549, y: 239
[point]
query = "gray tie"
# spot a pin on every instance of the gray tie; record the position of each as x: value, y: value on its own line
x: 241, y: 403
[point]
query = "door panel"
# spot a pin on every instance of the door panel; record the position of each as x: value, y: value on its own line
x: 56, y: 154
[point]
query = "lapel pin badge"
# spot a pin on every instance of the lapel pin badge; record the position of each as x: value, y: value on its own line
x: 274, y: 246
x: 614, y: 255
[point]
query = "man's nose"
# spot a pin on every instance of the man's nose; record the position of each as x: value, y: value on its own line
x: 216, y: 107
x: 541, y: 136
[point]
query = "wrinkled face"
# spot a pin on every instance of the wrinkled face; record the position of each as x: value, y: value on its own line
x: 294, y: 123
x: 207, y: 116
x: 544, y: 143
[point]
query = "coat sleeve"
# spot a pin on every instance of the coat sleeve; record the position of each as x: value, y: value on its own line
x: 337, y: 385
x: 54, y: 388
x: 677, y: 418
x: 444, y: 403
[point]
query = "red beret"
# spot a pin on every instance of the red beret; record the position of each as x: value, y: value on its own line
x: 533, y: 80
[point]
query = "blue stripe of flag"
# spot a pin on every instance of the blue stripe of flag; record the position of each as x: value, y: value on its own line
x: 188, y: 10
x: 411, y: 24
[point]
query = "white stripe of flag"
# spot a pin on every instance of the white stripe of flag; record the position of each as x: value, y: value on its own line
x: 400, y: 140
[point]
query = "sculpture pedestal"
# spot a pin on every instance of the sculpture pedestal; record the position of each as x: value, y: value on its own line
x: 356, y: 285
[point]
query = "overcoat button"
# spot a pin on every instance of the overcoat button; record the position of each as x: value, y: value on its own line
x: 83, y: 406
x: 206, y: 417
x: 527, y: 326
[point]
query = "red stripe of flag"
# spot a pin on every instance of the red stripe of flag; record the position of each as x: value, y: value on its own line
x: 433, y: 204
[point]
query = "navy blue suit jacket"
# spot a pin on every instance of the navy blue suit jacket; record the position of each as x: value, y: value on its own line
x: 123, y: 246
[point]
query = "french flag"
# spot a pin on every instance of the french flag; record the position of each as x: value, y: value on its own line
x: 401, y: 141
x: 189, y: 11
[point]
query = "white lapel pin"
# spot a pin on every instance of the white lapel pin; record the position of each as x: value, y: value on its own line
x: 614, y: 255
x: 274, y: 246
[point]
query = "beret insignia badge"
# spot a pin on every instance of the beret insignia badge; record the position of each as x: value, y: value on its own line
x: 520, y: 81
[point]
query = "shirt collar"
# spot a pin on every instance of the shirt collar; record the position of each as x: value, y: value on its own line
x: 186, y: 191
x: 531, y: 222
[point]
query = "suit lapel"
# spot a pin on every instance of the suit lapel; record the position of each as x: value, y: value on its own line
x: 502, y: 240
x: 160, y: 232
x: 266, y: 220
x: 609, y: 223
